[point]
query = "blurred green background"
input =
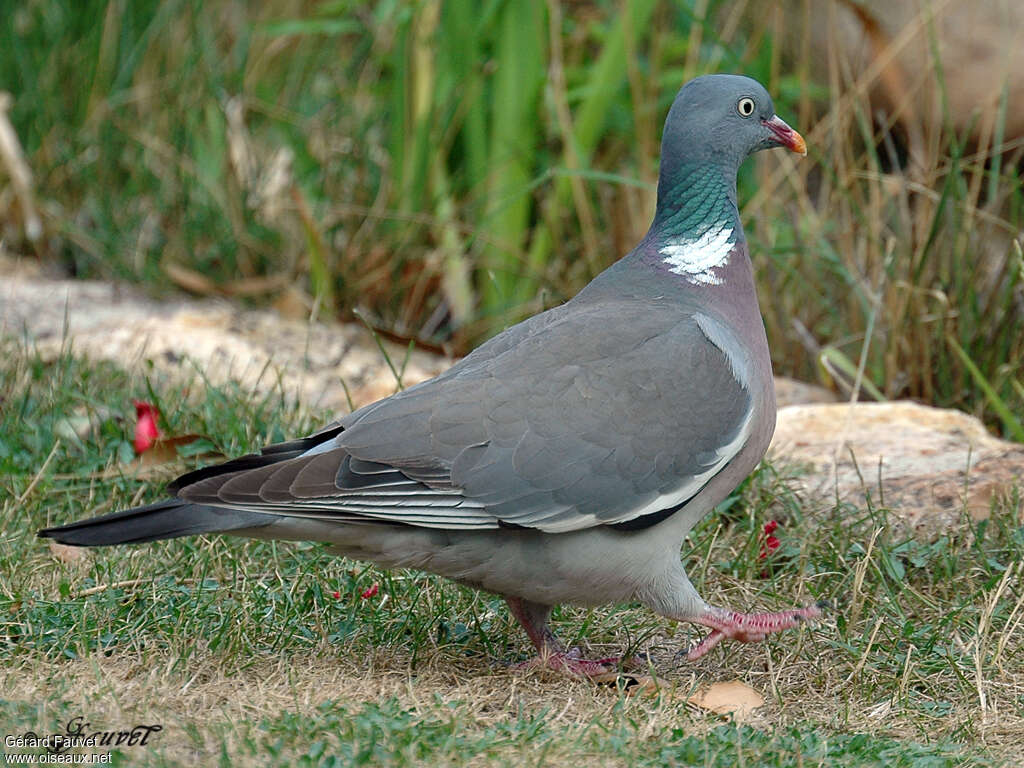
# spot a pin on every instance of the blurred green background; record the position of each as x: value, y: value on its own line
x: 443, y: 169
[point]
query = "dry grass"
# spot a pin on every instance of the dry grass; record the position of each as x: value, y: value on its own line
x: 242, y: 651
x: 875, y: 278
x: 209, y: 704
x: 321, y: 164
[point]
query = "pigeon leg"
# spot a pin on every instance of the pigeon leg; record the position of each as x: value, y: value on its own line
x: 747, y: 627
x: 551, y: 653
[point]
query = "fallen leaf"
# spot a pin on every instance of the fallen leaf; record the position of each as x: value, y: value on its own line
x: 66, y: 554
x: 633, y: 685
x: 728, y: 698
x: 169, y: 449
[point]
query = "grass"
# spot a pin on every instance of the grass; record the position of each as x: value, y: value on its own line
x: 446, y: 168
x: 251, y: 652
x: 379, y: 161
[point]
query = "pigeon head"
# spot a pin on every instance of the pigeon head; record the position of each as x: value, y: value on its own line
x: 716, y: 122
x: 721, y: 120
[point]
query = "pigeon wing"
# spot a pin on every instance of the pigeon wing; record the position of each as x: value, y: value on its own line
x: 604, y: 415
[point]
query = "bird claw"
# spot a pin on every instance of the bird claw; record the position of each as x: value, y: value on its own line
x: 749, y: 627
x: 573, y: 663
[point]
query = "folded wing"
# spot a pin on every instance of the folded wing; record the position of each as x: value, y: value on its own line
x: 559, y: 430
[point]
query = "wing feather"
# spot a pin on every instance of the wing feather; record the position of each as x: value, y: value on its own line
x: 563, y: 429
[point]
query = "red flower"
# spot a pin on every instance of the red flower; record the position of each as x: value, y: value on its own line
x: 770, y: 543
x: 370, y: 591
x: 146, y: 430
x: 336, y: 595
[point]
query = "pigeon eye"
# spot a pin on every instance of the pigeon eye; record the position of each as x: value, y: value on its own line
x: 745, y: 106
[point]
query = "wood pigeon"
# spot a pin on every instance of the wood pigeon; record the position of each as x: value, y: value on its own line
x: 565, y: 459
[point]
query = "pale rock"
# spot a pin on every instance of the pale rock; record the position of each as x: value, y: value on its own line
x: 892, y: 46
x: 262, y: 351
x: 927, y: 466
x: 792, y: 392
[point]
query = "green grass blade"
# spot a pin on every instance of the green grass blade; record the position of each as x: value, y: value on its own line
x: 520, y: 56
x: 1011, y: 424
x: 833, y: 356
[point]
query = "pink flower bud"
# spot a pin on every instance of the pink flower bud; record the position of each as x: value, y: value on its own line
x: 146, y: 430
x: 770, y: 543
x: 370, y: 591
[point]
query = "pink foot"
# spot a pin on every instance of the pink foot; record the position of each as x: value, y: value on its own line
x: 572, y: 663
x: 747, y: 627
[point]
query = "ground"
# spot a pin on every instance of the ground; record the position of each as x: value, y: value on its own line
x: 256, y: 653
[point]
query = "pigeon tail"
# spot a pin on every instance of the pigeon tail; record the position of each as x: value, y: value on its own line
x: 163, y: 520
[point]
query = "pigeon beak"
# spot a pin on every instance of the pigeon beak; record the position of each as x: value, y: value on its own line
x: 785, y: 135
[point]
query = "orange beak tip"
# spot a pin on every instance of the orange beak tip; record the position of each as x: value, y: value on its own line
x: 786, y: 136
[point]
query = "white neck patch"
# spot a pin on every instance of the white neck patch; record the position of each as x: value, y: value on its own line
x: 695, y: 258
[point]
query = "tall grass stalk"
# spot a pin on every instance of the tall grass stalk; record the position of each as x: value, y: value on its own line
x: 459, y: 165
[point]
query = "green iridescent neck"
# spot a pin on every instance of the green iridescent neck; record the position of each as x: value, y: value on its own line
x: 693, y: 199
